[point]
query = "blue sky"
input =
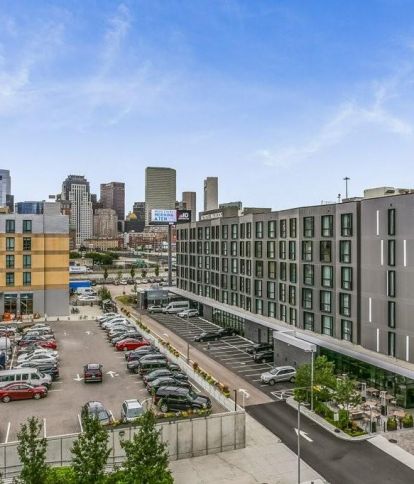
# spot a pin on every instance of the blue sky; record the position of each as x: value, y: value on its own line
x: 278, y: 98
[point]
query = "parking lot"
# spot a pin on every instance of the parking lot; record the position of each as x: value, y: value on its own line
x: 79, y: 342
x: 230, y: 351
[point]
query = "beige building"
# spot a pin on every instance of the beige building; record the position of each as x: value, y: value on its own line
x: 105, y: 223
x: 190, y: 201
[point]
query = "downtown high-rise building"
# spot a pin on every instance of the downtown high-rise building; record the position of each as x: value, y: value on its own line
x: 210, y: 193
x: 76, y: 190
x: 113, y: 197
x: 6, y: 198
x: 190, y: 201
x: 160, y: 190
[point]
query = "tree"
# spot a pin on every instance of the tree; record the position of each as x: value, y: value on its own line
x: 105, y: 274
x: 346, y: 393
x: 157, y: 270
x: 104, y: 293
x: 119, y: 275
x: 143, y: 273
x: 323, y: 377
x: 146, y: 456
x: 90, y: 452
x: 32, y: 452
x: 132, y: 272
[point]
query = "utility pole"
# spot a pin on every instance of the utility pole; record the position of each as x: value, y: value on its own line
x: 346, y: 180
x: 169, y: 255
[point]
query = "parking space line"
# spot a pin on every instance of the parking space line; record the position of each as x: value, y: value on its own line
x: 44, y: 428
x: 56, y: 390
x: 7, y: 433
x: 236, y: 358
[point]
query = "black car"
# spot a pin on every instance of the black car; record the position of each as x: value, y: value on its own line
x: 164, y: 372
x: 51, y: 369
x: 134, y: 365
x: 166, y: 381
x: 258, y: 348
x: 180, y: 399
x: 144, y: 350
x: 264, y: 356
x: 207, y: 336
x: 93, y: 372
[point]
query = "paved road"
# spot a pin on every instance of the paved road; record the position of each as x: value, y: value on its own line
x: 338, y: 461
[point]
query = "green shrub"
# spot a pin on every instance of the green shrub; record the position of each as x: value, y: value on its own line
x: 408, y: 421
x: 60, y: 475
x: 392, y: 424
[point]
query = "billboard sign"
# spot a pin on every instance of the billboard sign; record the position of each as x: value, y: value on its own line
x: 163, y: 217
x: 183, y: 216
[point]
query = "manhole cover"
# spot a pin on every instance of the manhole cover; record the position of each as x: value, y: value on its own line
x: 393, y: 441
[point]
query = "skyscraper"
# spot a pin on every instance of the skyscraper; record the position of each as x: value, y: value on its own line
x: 105, y: 223
x: 76, y: 190
x: 210, y: 193
x: 160, y: 190
x: 6, y: 198
x: 190, y: 201
x: 113, y: 196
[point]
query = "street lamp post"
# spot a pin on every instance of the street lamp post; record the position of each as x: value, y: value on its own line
x: 312, y: 376
x: 298, y: 441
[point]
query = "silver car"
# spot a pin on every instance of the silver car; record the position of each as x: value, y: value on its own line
x: 278, y: 374
x: 130, y: 410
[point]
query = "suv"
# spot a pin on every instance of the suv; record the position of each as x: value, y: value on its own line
x: 263, y: 356
x: 277, y: 374
x: 166, y: 381
x: 259, y: 347
x: 92, y: 372
x: 180, y: 399
x: 130, y: 410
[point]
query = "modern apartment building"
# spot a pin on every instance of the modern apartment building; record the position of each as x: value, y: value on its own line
x: 340, y: 275
x: 160, y: 190
x: 34, y: 275
x: 190, y: 201
x: 113, y: 197
x: 76, y: 190
x: 34, y: 208
x: 210, y: 193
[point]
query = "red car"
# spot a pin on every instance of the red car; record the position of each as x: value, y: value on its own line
x: 21, y: 391
x: 131, y: 344
x: 44, y: 343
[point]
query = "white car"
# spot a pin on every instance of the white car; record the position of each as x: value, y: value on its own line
x: 33, y: 354
x: 40, y: 359
x: 279, y: 373
x: 107, y: 317
x: 88, y: 298
x: 112, y: 322
x: 188, y: 313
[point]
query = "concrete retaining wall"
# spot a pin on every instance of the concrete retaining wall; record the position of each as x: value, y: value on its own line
x: 185, y: 438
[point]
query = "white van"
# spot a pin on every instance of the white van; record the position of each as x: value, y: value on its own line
x: 25, y: 375
x: 176, y: 307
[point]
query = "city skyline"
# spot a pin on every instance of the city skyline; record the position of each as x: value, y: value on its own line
x: 274, y: 93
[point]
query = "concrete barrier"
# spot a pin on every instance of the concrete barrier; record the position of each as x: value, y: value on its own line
x: 184, y: 438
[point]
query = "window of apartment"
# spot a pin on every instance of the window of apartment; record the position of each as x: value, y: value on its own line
x: 271, y: 249
x: 308, y: 321
x: 27, y: 278
x: 207, y: 248
x: 223, y: 281
x: 9, y: 278
x: 325, y: 251
x: 391, y: 221
x: 271, y: 309
x: 391, y: 284
x: 27, y: 226
x: 346, y: 224
x: 258, y: 288
x: 234, y: 266
x: 242, y: 231
x: 292, y: 250
x: 259, y: 306
x: 292, y: 295
x: 9, y: 261
x: 391, y: 343
x: 391, y: 314
x: 292, y: 273
x: 346, y: 330
x: 10, y: 226
x: 259, y: 268
x: 10, y: 244
x: 248, y: 230
x: 282, y: 292
x: 282, y: 249
x: 346, y: 278
x: 207, y: 262
x: 271, y: 229
x: 241, y: 284
x: 224, y: 248
x: 225, y: 297
x: 307, y: 250
x: 308, y: 274
x: 307, y: 298
x: 258, y: 249
x: 199, y: 233
x: 259, y: 230
x: 292, y: 228
x: 241, y: 245
x: 283, y: 228
x: 271, y: 270
x: 234, y: 231
x: 345, y: 251
x: 292, y: 316
x: 344, y: 304
x: 207, y: 233
x: 327, y: 325
x: 327, y: 225
x: 326, y: 301
x: 248, y: 267
x: 224, y: 231
x: 282, y: 310
x: 248, y: 286
x: 224, y: 265
x: 233, y: 248
x: 283, y: 271
x: 271, y: 290
x: 327, y: 276
x: 391, y: 252
x: 308, y: 227
x: 248, y: 249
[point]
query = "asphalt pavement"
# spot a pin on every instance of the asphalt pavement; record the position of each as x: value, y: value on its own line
x: 338, y: 461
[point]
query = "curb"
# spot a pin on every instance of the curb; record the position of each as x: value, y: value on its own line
x: 326, y: 425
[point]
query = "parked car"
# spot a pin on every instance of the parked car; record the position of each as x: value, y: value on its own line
x: 153, y: 375
x: 135, y: 365
x: 112, y: 322
x: 180, y: 399
x: 155, y: 308
x: 144, y: 350
x: 123, y: 336
x: 97, y: 410
x: 131, y: 344
x: 258, y: 347
x: 21, y: 391
x: 278, y: 374
x: 41, y: 328
x: 208, y: 336
x: 26, y: 355
x: 44, y: 368
x: 130, y: 410
x: 7, y: 331
x: 188, y: 313
x: 34, y: 359
x: 34, y: 334
x: 107, y: 317
x: 93, y: 372
x: 40, y: 341
x: 264, y: 356
x: 166, y: 381
x: 29, y: 375
x: 148, y: 366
